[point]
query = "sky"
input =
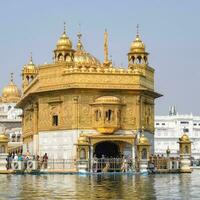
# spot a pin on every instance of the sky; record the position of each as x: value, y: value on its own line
x: 170, y: 30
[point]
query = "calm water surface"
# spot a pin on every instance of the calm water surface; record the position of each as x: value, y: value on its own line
x: 161, y: 186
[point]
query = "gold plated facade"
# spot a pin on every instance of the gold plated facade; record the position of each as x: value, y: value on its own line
x: 78, y: 92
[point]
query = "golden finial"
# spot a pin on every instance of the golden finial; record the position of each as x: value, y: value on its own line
x: 105, y: 46
x: 137, y: 28
x: 79, y: 35
x: 31, y: 58
x: 11, y: 76
x: 79, y: 44
x: 64, y: 27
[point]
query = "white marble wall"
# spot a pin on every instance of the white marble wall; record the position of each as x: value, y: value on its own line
x: 58, y: 144
x: 61, y: 144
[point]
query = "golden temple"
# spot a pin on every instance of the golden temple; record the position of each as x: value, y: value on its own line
x: 77, y: 106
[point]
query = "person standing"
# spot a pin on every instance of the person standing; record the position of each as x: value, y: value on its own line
x: 45, y: 160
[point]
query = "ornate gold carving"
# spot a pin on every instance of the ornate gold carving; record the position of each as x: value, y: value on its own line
x: 69, y: 88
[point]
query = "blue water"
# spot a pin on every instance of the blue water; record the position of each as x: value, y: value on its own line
x: 160, y: 186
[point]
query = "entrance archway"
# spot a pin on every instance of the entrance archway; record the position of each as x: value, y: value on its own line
x: 108, y: 149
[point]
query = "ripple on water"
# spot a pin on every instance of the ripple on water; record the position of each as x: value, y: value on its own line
x: 161, y: 186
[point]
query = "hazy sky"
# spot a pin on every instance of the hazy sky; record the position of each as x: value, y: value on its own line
x: 170, y: 29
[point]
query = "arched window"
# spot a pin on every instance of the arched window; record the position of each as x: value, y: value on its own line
x: 82, y: 154
x: 27, y: 78
x: 9, y: 107
x: 55, y: 120
x: 18, y: 138
x: 68, y: 58
x: 145, y: 59
x: 132, y: 60
x: 186, y: 150
x: 144, y: 153
x: 109, y: 115
x: 13, y: 138
x: 2, y: 149
x: 139, y: 59
x: 60, y: 57
x: 97, y: 115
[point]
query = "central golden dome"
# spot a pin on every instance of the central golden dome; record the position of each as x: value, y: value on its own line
x: 137, y: 46
x: 11, y: 93
x: 83, y: 58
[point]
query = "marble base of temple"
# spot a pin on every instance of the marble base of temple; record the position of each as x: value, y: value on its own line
x: 143, y: 166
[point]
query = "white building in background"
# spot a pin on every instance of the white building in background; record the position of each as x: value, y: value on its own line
x: 10, y: 117
x: 169, y: 128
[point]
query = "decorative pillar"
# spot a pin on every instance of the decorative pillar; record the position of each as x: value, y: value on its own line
x: 143, y: 151
x: 185, y: 153
x: 35, y: 129
x: 3, y: 151
x: 82, y: 154
x: 133, y: 157
x: 91, y: 158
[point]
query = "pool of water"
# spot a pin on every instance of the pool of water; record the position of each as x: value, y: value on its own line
x: 160, y: 186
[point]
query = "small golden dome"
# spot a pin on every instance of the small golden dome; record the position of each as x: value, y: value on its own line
x: 4, y: 138
x: 108, y: 100
x: 137, y: 46
x: 30, y: 66
x: 184, y: 138
x: 64, y: 43
x: 83, y: 58
x: 11, y: 93
x: 143, y: 140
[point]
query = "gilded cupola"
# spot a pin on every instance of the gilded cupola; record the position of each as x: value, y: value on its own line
x: 29, y: 72
x: 64, y: 51
x: 137, y: 46
x: 143, y: 140
x: 30, y: 67
x: 184, y: 137
x: 83, y: 58
x: 137, y: 54
x: 11, y: 94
